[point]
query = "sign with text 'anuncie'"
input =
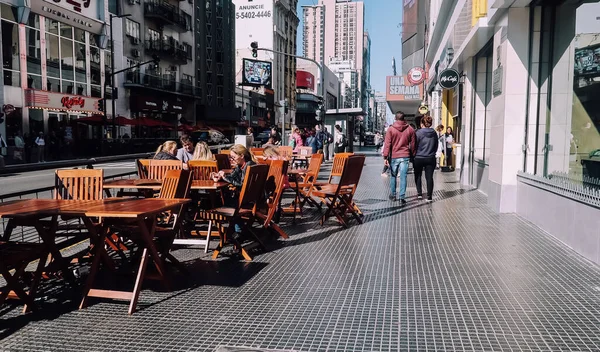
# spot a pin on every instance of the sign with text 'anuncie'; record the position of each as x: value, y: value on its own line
x: 448, y: 78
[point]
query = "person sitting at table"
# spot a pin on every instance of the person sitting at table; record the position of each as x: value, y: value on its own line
x: 185, y: 152
x: 270, y: 143
x: 240, y: 158
x: 166, y: 151
x: 271, y: 153
x: 202, y: 152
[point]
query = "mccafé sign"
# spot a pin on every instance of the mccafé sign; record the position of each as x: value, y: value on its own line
x: 41, y: 99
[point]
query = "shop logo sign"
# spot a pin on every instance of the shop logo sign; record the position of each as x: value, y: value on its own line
x: 165, y: 105
x: 448, y: 78
x: 69, y: 102
x: 416, y: 75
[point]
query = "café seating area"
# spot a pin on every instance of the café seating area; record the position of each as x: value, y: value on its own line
x: 130, y: 226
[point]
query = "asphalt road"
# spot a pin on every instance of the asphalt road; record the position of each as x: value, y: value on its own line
x: 17, y: 182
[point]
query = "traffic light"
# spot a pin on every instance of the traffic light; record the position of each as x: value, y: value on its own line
x: 101, y: 105
x: 156, y: 60
x: 254, y: 46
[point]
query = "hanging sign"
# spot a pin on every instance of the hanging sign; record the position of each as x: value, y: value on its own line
x: 423, y: 109
x: 448, y: 78
x: 416, y: 75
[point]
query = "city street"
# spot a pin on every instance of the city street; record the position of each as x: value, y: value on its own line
x: 10, y: 183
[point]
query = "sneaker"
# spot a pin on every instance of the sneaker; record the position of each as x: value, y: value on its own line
x: 392, y: 197
x: 429, y: 200
x: 419, y: 197
x: 403, y: 201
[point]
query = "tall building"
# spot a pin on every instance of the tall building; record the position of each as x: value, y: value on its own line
x: 343, y: 40
x: 350, y: 78
x: 380, y: 112
x: 273, y: 24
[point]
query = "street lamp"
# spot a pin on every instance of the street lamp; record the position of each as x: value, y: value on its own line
x: 112, y: 74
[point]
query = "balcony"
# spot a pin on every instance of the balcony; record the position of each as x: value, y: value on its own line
x: 166, y: 83
x: 168, y: 15
x: 170, y: 49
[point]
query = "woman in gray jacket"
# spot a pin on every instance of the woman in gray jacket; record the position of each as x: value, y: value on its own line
x: 427, y: 146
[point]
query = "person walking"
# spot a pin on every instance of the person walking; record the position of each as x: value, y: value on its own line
x: 327, y: 141
x: 449, y: 137
x: 441, y: 145
x: 399, y: 146
x: 427, y: 146
x: 340, y: 140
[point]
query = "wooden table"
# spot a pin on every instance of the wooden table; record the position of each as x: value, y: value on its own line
x: 296, y: 174
x: 155, y: 185
x: 143, y: 211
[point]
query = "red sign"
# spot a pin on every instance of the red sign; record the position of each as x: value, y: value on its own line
x: 305, y: 80
x: 69, y: 102
x: 42, y: 99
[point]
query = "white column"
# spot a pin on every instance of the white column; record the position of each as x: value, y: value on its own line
x: 507, y: 111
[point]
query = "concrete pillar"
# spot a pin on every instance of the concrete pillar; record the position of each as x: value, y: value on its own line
x: 507, y: 111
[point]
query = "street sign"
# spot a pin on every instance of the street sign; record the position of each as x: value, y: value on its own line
x: 416, y: 75
x: 448, y: 78
x: 423, y: 109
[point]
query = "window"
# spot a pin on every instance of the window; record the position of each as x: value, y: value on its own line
x: 10, y: 51
x: 52, y: 56
x: 153, y: 35
x: 132, y: 29
x: 66, y: 58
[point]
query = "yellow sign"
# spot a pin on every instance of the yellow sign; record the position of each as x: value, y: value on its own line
x: 423, y: 109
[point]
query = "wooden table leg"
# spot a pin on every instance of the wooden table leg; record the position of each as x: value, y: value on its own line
x: 98, y: 249
x: 147, y: 228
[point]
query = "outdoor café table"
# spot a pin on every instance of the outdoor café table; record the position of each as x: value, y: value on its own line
x: 145, y: 212
x: 296, y: 174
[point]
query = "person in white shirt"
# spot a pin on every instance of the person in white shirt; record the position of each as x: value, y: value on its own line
x: 449, y: 143
x: 185, y: 153
x: 41, y: 147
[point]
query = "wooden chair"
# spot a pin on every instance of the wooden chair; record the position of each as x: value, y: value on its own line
x: 225, y: 151
x: 285, y: 151
x: 79, y: 184
x: 14, y: 259
x: 339, y: 197
x: 201, y: 169
x: 245, y: 212
x: 306, y: 184
x: 223, y: 162
x: 274, y: 188
x: 257, y: 151
x: 142, y: 168
x: 158, y: 168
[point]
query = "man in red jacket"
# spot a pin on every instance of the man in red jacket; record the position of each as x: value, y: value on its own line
x: 398, y: 148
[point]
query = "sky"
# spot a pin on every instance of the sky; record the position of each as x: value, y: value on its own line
x: 381, y: 21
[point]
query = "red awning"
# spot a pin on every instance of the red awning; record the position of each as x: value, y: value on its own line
x: 186, y: 128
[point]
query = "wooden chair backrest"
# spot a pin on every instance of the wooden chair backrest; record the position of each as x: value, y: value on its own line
x: 352, y: 171
x: 314, y: 167
x: 277, y: 170
x: 306, y: 151
x: 285, y: 150
x: 158, y: 168
x: 257, y: 151
x: 339, y: 160
x: 225, y: 151
x: 262, y: 161
x: 223, y: 161
x: 142, y: 168
x: 201, y: 169
x: 79, y: 184
x: 176, y: 184
x: 253, y: 186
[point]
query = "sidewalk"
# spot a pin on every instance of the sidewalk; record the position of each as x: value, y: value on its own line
x: 446, y: 276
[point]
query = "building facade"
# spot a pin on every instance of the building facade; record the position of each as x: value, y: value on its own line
x: 380, y: 113
x: 54, y: 62
x: 273, y: 25
x: 334, y: 34
x: 308, y: 93
x: 525, y: 114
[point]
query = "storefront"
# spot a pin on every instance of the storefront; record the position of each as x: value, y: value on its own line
x: 53, y: 69
x: 166, y: 111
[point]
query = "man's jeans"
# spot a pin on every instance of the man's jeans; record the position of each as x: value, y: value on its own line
x: 399, y: 167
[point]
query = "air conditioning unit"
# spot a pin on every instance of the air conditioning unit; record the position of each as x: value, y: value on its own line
x: 136, y: 41
x: 135, y: 53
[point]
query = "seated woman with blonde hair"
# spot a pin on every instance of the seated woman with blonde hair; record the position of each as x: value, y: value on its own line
x: 202, y: 152
x: 166, y: 151
x: 271, y: 153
